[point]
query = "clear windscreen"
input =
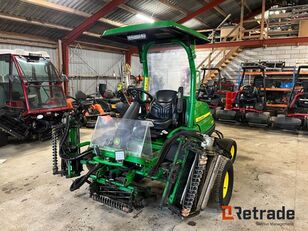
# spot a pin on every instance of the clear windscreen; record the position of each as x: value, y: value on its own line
x: 45, y: 96
x: 38, y: 70
x: 131, y: 136
x: 168, y: 69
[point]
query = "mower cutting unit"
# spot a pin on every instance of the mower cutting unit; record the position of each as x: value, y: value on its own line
x: 248, y: 103
x: 168, y: 139
x: 296, y: 114
x: 213, y: 91
x: 31, y: 95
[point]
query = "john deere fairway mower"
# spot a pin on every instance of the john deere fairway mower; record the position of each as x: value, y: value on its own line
x: 166, y: 137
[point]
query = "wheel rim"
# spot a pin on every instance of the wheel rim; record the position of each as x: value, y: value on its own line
x: 232, y: 151
x: 225, y: 185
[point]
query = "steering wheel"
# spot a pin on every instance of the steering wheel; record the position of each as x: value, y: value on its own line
x: 248, y: 90
x: 136, y: 93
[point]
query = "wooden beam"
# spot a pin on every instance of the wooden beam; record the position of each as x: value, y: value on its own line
x: 53, y: 26
x: 241, y: 20
x: 43, y: 24
x: 257, y: 43
x: 262, y: 19
x: 28, y: 38
x: 37, y: 41
x: 68, y: 10
x: 182, y: 10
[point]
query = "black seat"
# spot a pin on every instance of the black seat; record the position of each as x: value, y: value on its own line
x: 163, y: 112
x: 303, y: 100
x: 248, y: 96
x: 258, y: 81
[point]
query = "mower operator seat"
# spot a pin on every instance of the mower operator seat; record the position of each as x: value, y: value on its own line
x: 163, y: 112
x: 303, y: 101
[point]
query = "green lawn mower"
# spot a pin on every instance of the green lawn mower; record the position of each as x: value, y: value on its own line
x: 166, y: 137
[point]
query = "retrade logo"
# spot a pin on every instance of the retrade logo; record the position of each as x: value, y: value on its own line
x: 227, y: 213
x: 257, y: 214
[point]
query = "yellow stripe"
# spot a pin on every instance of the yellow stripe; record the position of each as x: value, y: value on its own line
x: 198, y: 119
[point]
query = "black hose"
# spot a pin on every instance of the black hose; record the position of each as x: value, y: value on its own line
x: 219, y: 134
x: 83, y: 179
x: 62, y: 152
x: 166, y: 148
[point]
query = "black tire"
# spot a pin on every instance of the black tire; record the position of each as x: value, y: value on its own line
x: 3, y: 138
x: 229, y: 146
x: 217, y: 197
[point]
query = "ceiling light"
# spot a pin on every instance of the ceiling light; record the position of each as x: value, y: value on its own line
x: 145, y: 18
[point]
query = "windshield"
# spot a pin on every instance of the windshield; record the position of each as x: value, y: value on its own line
x: 44, y: 97
x: 168, y: 69
x: 131, y: 137
x: 37, y: 69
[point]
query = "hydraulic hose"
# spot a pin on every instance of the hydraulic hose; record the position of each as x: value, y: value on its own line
x: 83, y: 179
x: 63, y: 153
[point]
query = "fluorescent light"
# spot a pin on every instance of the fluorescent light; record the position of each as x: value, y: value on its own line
x: 145, y: 18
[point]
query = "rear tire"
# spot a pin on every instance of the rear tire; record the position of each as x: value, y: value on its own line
x: 229, y: 146
x: 3, y: 138
x: 223, y: 186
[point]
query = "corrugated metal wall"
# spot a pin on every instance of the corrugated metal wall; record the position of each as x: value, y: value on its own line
x: 87, y: 68
x: 92, y: 63
x: 85, y: 64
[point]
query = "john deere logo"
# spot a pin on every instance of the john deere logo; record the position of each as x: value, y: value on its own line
x: 117, y: 141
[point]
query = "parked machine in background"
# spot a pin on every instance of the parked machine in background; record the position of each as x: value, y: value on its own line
x: 295, y: 116
x: 32, y: 99
x: 248, y: 103
x: 213, y: 91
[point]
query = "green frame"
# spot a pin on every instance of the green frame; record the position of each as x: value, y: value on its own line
x: 176, y: 34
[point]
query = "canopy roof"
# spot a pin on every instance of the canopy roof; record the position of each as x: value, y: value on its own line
x: 159, y: 32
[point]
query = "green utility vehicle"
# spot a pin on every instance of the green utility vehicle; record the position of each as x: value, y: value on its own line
x: 166, y: 139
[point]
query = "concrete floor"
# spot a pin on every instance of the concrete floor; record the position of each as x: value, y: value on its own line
x: 271, y: 171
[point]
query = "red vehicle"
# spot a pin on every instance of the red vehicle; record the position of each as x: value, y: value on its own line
x: 248, y: 103
x: 214, y: 91
x: 296, y: 116
x: 32, y: 98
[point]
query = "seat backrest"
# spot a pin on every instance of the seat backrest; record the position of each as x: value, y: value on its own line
x: 258, y: 82
x: 80, y: 95
x: 305, y: 86
x: 102, y: 88
x: 164, y: 105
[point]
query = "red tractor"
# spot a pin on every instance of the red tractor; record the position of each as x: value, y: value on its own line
x: 32, y: 98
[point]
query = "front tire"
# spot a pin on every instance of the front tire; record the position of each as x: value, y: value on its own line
x: 222, y: 190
